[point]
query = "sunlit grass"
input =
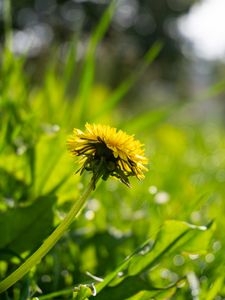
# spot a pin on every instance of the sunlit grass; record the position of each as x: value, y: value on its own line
x: 185, y: 183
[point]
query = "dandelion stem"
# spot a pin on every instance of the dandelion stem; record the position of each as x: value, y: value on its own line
x: 48, y: 243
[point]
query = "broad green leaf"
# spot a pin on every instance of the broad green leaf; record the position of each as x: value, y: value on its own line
x: 174, y: 236
x: 135, y: 287
x: 24, y: 228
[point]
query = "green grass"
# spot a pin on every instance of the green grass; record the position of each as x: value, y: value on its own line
x: 138, y: 240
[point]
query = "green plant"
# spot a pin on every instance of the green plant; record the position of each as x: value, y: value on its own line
x: 138, y: 243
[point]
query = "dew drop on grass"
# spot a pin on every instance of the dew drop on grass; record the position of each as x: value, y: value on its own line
x: 162, y: 197
x: 167, y: 274
x: 146, y: 249
x: 216, y: 246
x: 209, y: 258
x: 89, y: 215
x: 152, y: 189
x: 178, y: 260
x: 93, y: 204
x: 120, y: 274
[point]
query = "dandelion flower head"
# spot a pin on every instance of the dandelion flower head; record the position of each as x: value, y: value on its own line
x: 107, y: 152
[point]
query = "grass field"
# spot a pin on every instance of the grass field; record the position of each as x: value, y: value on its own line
x: 162, y: 238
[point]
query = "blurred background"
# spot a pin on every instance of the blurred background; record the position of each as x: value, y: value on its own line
x: 190, y: 63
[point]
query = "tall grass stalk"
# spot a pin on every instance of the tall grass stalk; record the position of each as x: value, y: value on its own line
x: 48, y: 243
x: 7, y: 23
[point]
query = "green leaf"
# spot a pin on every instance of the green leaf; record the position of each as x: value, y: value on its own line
x: 135, y: 287
x: 47, y: 159
x: 159, y: 295
x: 12, y: 187
x: 215, y: 288
x: 174, y: 236
x: 24, y: 228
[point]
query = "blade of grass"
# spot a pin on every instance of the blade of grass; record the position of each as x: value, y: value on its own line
x: 70, y: 63
x: 66, y: 292
x: 89, y: 62
x: 214, y: 90
x: 48, y: 166
x: 215, y: 288
x: 147, y: 120
x: 174, y: 235
x: 121, y: 91
x: 134, y: 285
x: 7, y: 23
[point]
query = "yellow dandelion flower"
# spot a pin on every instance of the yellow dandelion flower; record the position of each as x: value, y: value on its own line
x: 108, y: 152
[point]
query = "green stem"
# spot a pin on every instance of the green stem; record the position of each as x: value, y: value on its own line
x: 48, y: 243
x: 7, y: 23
